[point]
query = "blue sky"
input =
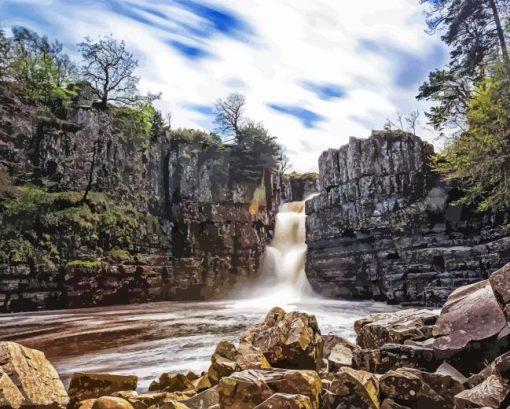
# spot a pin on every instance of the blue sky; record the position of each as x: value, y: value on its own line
x: 315, y: 72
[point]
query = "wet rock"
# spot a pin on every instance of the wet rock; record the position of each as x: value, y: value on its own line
x: 353, y: 388
x: 471, y: 315
x: 378, y: 329
x: 288, y: 340
x: 249, y: 388
x: 500, y: 283
x: 415, y: 388
x: 490, y: 393
x: 286, y: 401
x: 26, y: 373
x: 172, y: 382
x: 108, y: 402
x: 94, y: 385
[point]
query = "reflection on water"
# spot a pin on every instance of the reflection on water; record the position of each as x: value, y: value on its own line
x: 149, y: 339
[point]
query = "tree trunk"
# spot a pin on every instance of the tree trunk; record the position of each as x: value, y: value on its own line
x: 91, y: 173
x: 501, y: 35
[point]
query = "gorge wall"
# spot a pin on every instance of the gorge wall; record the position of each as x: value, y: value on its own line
x: 384, y: 226
x: 171, y: 215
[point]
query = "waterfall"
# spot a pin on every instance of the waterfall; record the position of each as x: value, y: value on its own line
x: 283, y: 277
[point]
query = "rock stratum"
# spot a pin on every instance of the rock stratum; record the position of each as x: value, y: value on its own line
x: 171, y: 215
x: 385, y: 226
x: 409, y: 359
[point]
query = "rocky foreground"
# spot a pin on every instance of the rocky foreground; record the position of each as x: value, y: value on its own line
x: 407, y: 359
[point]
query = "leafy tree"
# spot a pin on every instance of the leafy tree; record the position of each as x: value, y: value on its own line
x: 37, y: 65
x: 479, y: 160
x: 109, y: 67
x: 230, y: 115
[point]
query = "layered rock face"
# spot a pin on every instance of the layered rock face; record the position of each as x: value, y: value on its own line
x: 384, y: 226
x: 297, y: 187
x: 177, y: 216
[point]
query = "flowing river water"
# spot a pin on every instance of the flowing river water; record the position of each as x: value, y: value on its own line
x: 149, y: 339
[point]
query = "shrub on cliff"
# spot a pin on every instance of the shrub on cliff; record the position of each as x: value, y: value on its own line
x: 479, y: 160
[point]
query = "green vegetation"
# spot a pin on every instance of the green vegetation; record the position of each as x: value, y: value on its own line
x: 195, y: 136
x: 141, y: 123
x: 472, y: 96
x: 41, y: 226
x: 311, y: 176
x: 90, y: 265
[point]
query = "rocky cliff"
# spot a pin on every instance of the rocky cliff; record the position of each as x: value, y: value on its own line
x: 298, y: 186
x: 385, y: 226
x: 171, y: 215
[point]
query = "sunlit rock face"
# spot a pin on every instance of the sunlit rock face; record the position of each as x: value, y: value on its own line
x: 384, y: 225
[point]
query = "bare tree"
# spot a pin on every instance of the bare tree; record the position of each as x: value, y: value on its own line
x: 230, y: 113
x: 109, y: 67
x: 284, y: 165
x: 412, y: 121
x: 405, y: 123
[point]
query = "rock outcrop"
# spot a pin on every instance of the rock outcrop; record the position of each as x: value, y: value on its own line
x: 297, y: 187
x: 171, y: 215
x: 385, y: 226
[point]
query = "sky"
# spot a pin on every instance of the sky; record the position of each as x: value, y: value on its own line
x: 314, y: 72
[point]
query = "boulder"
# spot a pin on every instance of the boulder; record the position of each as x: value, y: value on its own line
x: 415, y: 388
x: 338, y: 352
x: 227, y: 359
x: 490, y: 393
x: 352, y: 388
x: 378, y: 329
x: 247, y: 389
x: 446, y: 369
x: 203, y: 400
x: 109, y: 402
x: 94, y: 385
x: 470, y: 315
x: 330, y: 341
x: 28, y: 379
x: 391, y: 404
x: 172, y: 382
x: 288, y: 340
x: 500, y: 284
x: 286, y: 401
x: 146, y: 400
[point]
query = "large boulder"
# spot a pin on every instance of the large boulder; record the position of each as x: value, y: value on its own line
x: 415, y: 388
x: 247, y: 389
x: 351, y: 388
x: 500, y: 283
x: 396, y: 327
x: 490, y: 393
x: 172, y: 382
x: 85, y: 386
x: 338, y: 352
x: 470, y: 317
x: 288, y: 340
x: 27, y: 379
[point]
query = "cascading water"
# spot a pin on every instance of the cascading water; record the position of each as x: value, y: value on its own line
x: 283, y: 277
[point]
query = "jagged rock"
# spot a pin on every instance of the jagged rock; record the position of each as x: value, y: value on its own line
x: 203, y: 400
x: 288, y: 340
x: 393, y: 356
x: 500, y: 283
x: 490, y: 393
x: 391, y: 404
x: 446, y: 369
x: 353, y: 388
x: 27, y: 379
x: 471, y: 315
x: 385, y: 225
x: 338, y: 352
x: 145, y: 400
x: 108, y: 402
x: 172, y: 382
x: 415, y: 388
x: 250, y: 388
x: 286, y: 401
x: 227, y: 359
x: 85, y: 386
x: 378, y: 329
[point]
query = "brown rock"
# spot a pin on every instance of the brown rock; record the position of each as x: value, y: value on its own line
x: 470, y: 314
x: 330, y: 341
x: 378, y: 329
x: 28, y: 372
x: 490, y: 393
x: 288, y: 340
x: 247, y: 389
x: 500, y: 283
x: 93, y: 385
x: 146, y: 400
x: 286, y: 401
x: 109, y: 402
x: 172, y: 382
x: 391, y: 404
x: 352, y: 388
x: 338, y: 352
x: 203, y: 400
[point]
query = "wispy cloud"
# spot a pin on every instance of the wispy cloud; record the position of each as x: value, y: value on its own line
x: 309, y: 119
x: 325, y: 91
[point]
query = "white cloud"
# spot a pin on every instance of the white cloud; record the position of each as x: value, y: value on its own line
x: 296, y: 40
